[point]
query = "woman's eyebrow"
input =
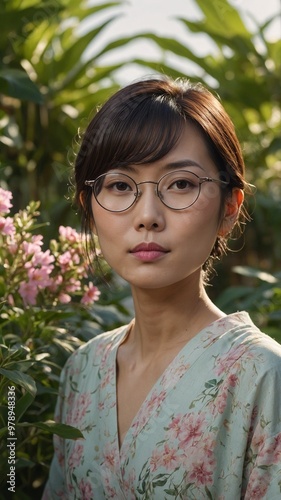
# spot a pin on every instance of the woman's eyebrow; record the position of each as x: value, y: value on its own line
x: 182, y: 163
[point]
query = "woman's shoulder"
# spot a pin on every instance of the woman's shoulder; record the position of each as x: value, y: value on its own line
x: 253, y: 344
x: 98, y: 346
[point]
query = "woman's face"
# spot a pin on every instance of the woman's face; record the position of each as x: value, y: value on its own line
x: 185, y: 237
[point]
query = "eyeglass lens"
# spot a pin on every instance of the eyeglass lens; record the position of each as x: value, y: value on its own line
x: 117, y: 192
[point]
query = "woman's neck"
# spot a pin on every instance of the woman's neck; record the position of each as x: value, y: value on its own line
x: 167, y: 318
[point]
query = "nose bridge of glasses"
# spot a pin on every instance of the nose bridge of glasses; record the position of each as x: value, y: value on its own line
x: 146, y: 182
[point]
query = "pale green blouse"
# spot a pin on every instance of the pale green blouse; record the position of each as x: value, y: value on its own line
x: 210, y: 428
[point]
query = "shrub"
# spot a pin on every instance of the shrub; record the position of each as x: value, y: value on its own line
x: 47, y: 310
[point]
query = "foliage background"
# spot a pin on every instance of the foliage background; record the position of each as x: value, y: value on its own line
x: 48, y: 90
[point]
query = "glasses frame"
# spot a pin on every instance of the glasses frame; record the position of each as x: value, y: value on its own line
x: 138, y: 193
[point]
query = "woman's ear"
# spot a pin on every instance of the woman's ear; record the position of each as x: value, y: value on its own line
x: 232, y: 207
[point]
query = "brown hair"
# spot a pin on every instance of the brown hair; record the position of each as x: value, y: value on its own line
x: 142, y: 122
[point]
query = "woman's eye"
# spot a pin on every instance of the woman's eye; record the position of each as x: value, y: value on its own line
x: 182, y: 184
x: 119, y: 186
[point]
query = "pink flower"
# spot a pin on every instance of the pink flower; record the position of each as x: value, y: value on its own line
x: 10, y: 300
x: 270, y: 450
x: 30, y: 248
x: 55, y: 282
x: 65, y: 260
x: 64, y: 298
x: 79, y: 408
x: 39, y: 276
x: 72, y: 286
x: 155, y: 400
x: 76, y: 456
x: 12, y: 247
x: 5, y: 204
x: 69, y: 234
x: 170, y: 458
x: 85, y: 490
x: 43, y: 259
x: 91, y: 294
x: 232, y: 380
x: 191, y: 430
x: 175, y: 426
x: 109, y: 457
x: 276, y: 449
x: 28, y: 292
x: 155, y: 461
x: 227, y: 360
x: 220, y: 402
x: 258, y: 440
x: 200, y: 474
x: 7, y: 226
x: 258, y: 485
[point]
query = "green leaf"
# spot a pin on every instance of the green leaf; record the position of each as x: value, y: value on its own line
x: 62, y: 430
x: 255, y: 273
x: 222, y: 17
x: 22, y: 404
x: 16, y: 83
x: 21, y: 379
x: 211, y: 383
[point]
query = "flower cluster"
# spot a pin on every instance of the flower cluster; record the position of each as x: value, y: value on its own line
x: 31, y: 276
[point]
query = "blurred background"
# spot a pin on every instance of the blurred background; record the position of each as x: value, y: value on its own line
x: 60, y: 60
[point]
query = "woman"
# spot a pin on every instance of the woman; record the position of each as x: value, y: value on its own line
x: 185, y: 401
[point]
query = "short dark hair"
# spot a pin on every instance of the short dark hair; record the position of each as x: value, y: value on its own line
x: 142, y: 122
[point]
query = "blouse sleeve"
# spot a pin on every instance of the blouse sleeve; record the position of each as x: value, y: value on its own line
x: 263, y: 461
x: 55, y: 486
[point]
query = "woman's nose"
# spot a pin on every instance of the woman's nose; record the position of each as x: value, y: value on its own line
x: 149, y: 210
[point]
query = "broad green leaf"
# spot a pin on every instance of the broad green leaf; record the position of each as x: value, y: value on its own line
x: 16, y: 83
x: 229, y: 39
x: 62, y: 430
x: 21, y: 379
x: 177, y: 48
x: 72, y: 56
x: 222, y: 17
x: 83, y: 13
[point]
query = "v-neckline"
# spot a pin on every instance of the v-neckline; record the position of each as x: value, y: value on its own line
x: 135, y: 427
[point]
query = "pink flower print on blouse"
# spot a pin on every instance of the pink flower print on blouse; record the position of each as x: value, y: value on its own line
x: 218, y: 405
x: 268, y: 449
x: 192, y: 428
x: 85, y: 490
x: 58, y: 446
x: 275, y: 449
x: 77, y: 411
x: 225, y: 362
x: 110, y: 457
x: 257, y: 485
x: 175, y: 426
x: 202, y: 458
x: 76, y: 456
x: 170, y: 458
x: 129, y: 485
x: 155, y: 400
x: 173, y: 374
x: 201, y: 474
x: 109, y: 376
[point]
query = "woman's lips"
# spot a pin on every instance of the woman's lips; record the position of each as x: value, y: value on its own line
x: 148, y: 251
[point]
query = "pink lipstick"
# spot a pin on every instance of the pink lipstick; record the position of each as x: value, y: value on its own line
x: 148, y: 252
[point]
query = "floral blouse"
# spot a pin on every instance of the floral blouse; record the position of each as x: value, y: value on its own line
x: 210, y: 428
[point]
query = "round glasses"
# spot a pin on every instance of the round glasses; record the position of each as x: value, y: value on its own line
x: 117, y: 192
